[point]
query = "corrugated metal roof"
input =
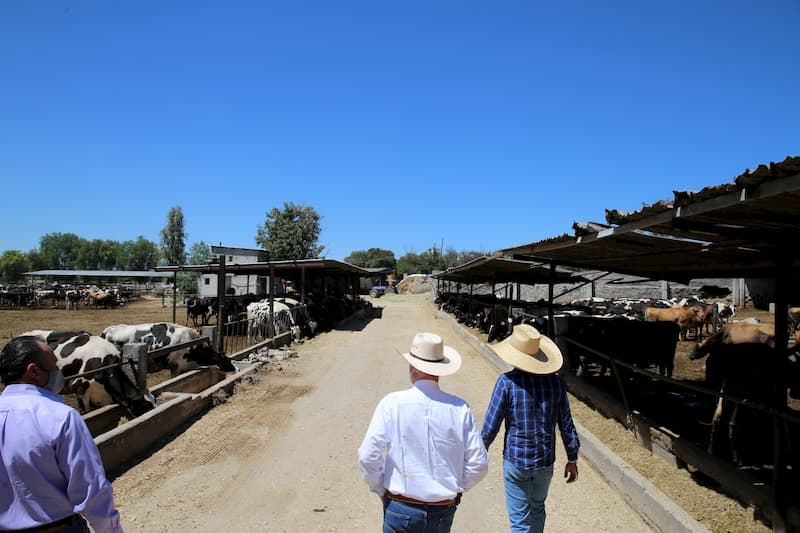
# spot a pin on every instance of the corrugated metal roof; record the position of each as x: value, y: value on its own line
x: 738, y: 229
x: 100, y: 273
x: 324, y: 266
x: 495, y: 269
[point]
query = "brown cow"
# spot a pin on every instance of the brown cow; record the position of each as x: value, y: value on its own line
x: 736, y: 333
x: 685, y: 317
x: 794, y: 318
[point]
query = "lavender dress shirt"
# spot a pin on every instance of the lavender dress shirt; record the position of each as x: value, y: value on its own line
x: 50, y: 467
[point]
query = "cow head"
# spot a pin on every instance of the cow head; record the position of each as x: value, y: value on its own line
x: 705, y: 346
x: 203, y: 355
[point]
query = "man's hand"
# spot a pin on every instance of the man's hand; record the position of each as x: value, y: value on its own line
x: 571, y: 472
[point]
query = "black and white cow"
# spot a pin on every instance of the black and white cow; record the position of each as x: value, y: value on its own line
x: 163, y: 334
x: 72, y: 298
x: 261, y: 325
x: 79, y: 352
x: 301, y: 315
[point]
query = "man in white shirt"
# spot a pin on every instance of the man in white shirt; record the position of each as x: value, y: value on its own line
x: 422, y: 449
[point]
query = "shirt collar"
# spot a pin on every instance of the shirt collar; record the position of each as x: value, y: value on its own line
x: 26, y: 388
x: 427, y: 385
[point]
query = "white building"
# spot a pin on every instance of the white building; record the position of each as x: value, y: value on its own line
x: 235, y: 284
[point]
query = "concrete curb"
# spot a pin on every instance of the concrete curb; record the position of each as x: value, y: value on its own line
x: 642, y: 496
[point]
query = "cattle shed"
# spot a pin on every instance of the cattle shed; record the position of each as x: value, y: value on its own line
x: 747, y: 228
x: 305, y: 275
x: 97, y: 275
x: 493, y: 270
x: 304, y: 272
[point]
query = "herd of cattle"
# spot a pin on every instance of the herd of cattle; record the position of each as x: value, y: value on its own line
x: 97, y: 375
x: 288, y: 313
x: 71, y: 296
x: 740, y: 356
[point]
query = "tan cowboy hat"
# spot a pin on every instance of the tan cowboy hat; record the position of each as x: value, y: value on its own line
x: 429, y: 354
x: 530, y: 351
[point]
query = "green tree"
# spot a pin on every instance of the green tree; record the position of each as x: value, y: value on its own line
x: 60, y: 250
x: 108, y: 255
x: 199, y: 253
x: 141, y: 254
x: 372, y: 258
x: 35, y: 260
x: 292, y: 233
x: 410, y: 263
x: 13, y: 264
x: 453, y: 258
x: 173, y: 238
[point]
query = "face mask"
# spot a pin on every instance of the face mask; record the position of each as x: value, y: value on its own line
x: 55, y: 381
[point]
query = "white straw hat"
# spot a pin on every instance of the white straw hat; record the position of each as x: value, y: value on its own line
x: 529, y: 350
x: 429, y: 354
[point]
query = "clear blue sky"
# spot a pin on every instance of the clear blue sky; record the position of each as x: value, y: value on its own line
x: 482, y: 125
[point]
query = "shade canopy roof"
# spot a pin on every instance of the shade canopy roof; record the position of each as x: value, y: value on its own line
x: 498, y: 270
x: 742, y: 229
x: 319, y: 266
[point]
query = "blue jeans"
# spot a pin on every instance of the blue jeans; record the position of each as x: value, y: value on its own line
x: 526, y: 491
x: 412, y: 518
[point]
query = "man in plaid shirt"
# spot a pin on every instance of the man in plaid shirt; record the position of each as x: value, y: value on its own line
x: 531, y: 399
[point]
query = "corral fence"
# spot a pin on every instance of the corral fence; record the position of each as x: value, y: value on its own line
x: 646, y: 398
x: 243, y: 333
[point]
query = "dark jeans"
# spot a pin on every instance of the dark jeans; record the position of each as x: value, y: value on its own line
x: 402, y: 517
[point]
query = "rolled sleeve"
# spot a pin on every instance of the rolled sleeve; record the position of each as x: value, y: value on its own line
x: 476, y: 460
x: 371, y: 452
x: 569, y: 435
x: 88, y: 489
x: 495, y: 413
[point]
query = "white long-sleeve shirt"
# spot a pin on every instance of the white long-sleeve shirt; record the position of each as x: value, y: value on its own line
x: 423, y: 443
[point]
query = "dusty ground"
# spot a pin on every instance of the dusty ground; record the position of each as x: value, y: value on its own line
x: 16, y: 321
x: 280, y: 454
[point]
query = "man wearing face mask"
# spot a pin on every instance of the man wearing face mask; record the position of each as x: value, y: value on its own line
x: 50, y: 469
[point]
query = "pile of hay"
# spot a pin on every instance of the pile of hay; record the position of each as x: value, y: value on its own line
x: 414, y: 284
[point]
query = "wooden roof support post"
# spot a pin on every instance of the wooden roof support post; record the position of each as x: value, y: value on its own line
x: 303, y: 285
x: 783, y: 275
x: 271, y: 291
x: 551, y: 327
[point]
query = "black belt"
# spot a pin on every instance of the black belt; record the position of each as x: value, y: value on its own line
x: 52, y: 526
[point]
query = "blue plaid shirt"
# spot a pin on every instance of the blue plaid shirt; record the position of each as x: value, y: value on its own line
x: 530, y: 405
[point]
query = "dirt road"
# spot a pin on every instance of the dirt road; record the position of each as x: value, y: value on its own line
x: 280, y: 455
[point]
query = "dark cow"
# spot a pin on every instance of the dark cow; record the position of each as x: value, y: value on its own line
x: 495, y: 322
x: 736, y: 333
x: 198, y: 308
x: 757, y: 373
x: 79, y: 352
x: 164, y: 334
x: 638, y: 343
